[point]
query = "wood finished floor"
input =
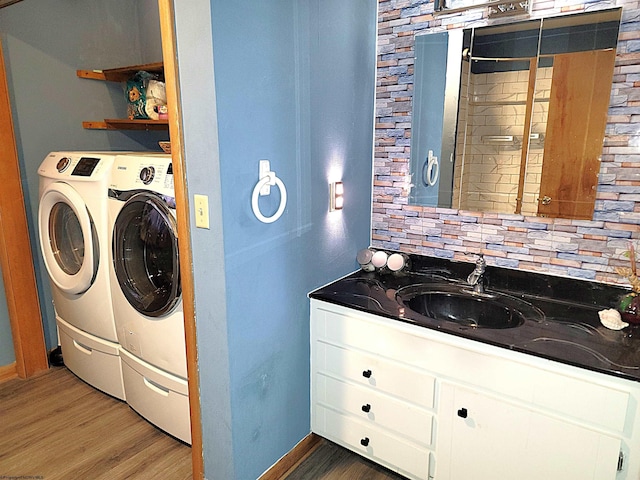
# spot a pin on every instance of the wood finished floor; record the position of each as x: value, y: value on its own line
x: 56, y: 427
x: 331, y: 462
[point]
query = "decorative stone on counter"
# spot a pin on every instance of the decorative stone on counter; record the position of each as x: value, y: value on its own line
x: 611, y: 319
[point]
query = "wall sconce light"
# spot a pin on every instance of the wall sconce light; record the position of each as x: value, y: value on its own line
x: 336, y: 196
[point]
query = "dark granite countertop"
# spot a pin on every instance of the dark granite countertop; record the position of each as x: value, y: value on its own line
x: 566, y: 327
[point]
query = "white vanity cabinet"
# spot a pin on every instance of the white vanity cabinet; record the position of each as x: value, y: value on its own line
x: 431, y: 405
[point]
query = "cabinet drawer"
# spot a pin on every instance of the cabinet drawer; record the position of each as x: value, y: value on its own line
x: 378, y: 409
x: 380, y: 374
x: 395, y: 453
x: 354, y: 330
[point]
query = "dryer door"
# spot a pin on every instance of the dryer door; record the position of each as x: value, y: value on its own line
x: 68, y: 239
x: 145, y: 254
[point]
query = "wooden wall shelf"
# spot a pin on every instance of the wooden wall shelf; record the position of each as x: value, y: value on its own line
x: 122, y: 75
x: 126, y: 124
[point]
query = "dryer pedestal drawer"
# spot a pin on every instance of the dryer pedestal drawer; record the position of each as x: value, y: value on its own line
x: 94, y: 360
x: 161, y: 398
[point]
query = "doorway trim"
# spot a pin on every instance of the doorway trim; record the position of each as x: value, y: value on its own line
x: 16, y: 259
x: 169, y: 55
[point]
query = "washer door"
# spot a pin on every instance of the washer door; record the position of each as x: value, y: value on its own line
x: 68, y: 239
x: 145, y: 255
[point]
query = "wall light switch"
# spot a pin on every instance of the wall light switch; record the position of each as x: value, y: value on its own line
x: 201, y: 203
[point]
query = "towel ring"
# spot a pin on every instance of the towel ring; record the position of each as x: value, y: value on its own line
x: 430, y: 170
x: 433, y: 171
x: 269, y: 179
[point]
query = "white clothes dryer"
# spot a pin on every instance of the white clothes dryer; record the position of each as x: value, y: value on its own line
x: 146, y: 293
x: 74, y: 241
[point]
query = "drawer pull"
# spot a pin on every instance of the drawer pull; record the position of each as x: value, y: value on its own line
x: 366, y: 408
x: 366, y: 374
x: 364, y: 442
x: 462, y: 413
x: 156, y: 387
x: 82, y: 348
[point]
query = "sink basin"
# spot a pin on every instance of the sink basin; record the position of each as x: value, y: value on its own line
x: 461, y: 305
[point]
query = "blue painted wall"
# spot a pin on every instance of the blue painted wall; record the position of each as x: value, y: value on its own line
x: 44, y: 43
x: 7, y: 353
x: 294, y: 84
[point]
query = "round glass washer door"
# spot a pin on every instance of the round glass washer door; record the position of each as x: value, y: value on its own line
x: 68, y: 239
x: 145, y: 255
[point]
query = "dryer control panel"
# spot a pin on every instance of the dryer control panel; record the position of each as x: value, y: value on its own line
x: 82, y: 166
x: 85, y: 166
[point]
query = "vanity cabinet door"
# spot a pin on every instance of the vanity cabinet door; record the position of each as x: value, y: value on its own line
x: 483, y: 437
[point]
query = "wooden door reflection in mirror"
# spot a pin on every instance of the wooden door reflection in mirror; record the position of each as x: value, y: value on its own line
x: 578, y: 105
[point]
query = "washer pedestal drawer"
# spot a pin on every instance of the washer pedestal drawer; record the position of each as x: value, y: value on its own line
x: 93, y: 359
x: 158, y: 396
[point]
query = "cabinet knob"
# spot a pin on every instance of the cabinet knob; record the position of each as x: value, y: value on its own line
x: 366, y: 408
x: 364, y: 442
x: 366, y: 374
x: 462, y: 413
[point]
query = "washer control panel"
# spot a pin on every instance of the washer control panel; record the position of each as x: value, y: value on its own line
x: 152, y: 172
x: 147, y: 174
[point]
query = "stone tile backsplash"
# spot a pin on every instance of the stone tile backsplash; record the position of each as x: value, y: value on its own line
x: 571, y: 248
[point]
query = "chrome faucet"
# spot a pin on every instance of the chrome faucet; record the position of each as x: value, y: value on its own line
x: 476, y: 278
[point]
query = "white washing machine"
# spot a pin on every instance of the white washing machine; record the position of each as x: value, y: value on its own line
x: 74, y: 241
x: 146, y: 294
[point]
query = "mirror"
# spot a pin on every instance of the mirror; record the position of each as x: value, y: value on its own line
x: 511, y: 118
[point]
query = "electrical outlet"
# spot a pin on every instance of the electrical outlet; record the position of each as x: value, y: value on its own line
x: 201, y: 203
